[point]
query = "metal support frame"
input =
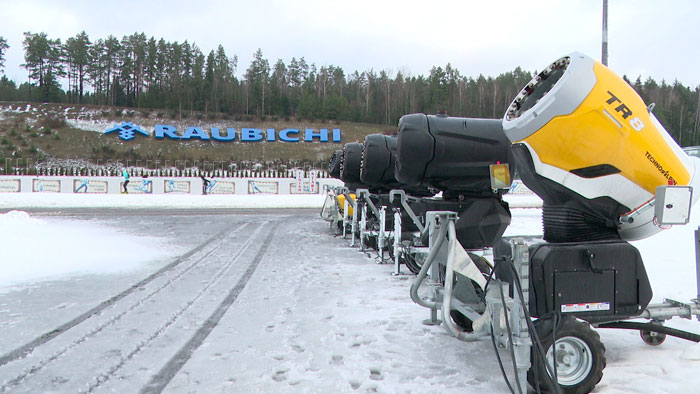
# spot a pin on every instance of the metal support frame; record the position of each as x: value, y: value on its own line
x: 363, y: 225
x: 669, y: 308
x: 381, y: 237
x: 521, y: 338
x: 490, y: 318
x: 353, y: 228
x: 345, y: 216
x: 437, y: 228
x: 397, y: 242
x: 365, y: 194
x: 403, y: 198
x: 348, y: 202
x: 365, y: 202
x: 697, y: 265
x: 348, y: 197
x: 329, y: 212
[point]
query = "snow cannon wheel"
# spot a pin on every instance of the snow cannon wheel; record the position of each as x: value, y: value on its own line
x: 579, y: 353
x: 652, y: 338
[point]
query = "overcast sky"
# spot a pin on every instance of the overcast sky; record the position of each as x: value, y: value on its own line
x: 646, y: 37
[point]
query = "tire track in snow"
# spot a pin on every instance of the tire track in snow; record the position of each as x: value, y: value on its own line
x: 184, y: 354
x: 171, y: 368
x: 27, y: 349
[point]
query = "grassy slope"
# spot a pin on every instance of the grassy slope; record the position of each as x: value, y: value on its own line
x: 75, y: 132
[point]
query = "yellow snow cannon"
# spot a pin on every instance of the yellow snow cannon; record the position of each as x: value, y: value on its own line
x: 341, y: 203
x: 589, y: 146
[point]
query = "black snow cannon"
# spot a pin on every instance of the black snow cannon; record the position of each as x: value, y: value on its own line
x: 454, y: 155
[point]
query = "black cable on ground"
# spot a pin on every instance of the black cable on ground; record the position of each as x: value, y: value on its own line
x: 510, y: 339
x: 500, y: 362
x: 551, y: 382
x: 553, y: 385
x: 493, y: 341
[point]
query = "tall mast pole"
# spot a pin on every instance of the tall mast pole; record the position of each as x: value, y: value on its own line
x: 604, y: 58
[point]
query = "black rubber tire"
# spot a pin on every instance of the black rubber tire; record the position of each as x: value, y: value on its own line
x: 410, y: 262
x: 462, y: 321
x: 570, y: 328
x: 485, y: 267
x: 482, y: 264
x: 372, y: 242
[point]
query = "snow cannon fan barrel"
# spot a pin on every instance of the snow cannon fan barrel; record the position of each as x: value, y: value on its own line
x: 335, y: 163
x: 450, y: 154
x: 377, y: 168
x: 586, y: 143
x: 350, y: 165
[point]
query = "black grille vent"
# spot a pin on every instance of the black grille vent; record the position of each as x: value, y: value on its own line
x: 567, y: 224
x: 595, y: 171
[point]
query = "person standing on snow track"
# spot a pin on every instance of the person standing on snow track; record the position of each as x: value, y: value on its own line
x: 205, y: 184
x: 125, y: 174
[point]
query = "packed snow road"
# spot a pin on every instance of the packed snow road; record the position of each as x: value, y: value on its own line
x: 261, y: 301
x: 266, y: 302
x: 136, y: 330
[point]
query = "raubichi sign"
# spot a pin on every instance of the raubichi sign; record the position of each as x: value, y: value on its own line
x: 128, y: 130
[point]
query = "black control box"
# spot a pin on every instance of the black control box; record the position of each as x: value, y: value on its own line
x: 594, y: 281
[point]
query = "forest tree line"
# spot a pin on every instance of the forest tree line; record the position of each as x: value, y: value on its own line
x: 143, y: 72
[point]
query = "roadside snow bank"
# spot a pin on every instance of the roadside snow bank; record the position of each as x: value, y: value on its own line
x: 33, y: 249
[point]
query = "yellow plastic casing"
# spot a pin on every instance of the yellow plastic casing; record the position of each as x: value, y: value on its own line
x: 341, y: 203
x: 612, y: 126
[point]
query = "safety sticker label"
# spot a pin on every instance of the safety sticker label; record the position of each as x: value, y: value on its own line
x: 586, y: 307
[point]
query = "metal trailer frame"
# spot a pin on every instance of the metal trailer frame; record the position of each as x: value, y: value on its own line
x: 503, y: 316
x: 654, y: 333
x: 397, y: 245
x: 349, y: 202
x: 364, y: 201
x: 332, y: 213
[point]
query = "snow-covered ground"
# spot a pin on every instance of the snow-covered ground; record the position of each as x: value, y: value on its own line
x: 316, y: 315
x: 157, y: 201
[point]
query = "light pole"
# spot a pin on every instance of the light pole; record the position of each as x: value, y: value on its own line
x: 604, y: 58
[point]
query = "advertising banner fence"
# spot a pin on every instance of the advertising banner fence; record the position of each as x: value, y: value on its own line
x: 143, y: 187
x: 221, y: 187
x: 305, y: 187
x: 10, y: 186
x: 90, y: 186
x: 175, y: 186
x: 263, y: 187
x: 46, y: 185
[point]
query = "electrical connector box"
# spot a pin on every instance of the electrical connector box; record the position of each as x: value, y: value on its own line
x: 672, y: 204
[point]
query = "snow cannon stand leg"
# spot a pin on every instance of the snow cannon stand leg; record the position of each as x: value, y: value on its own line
x: 474, y: 306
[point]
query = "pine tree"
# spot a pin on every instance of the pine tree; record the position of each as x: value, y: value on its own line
x: 3, y: 48
x: 78, y: 51
x: 43, y: 59
x: 256, y: 81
